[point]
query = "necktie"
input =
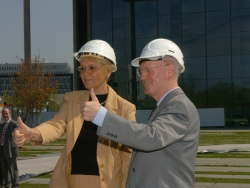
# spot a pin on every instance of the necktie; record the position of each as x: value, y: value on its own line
x: 152, y: 112
x: 3, y: 133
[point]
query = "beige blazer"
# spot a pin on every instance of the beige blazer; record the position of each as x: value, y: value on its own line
x: 113, y: 158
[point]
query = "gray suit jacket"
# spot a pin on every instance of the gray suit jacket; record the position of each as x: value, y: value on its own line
x: 10, y: 148
x: 165, y: 148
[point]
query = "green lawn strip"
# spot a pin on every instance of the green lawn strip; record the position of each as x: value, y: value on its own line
x: 59, y: 142
x: 38, y: 150
x: 44, y: 176
x: 242, y: 155
x: 217, y: 138
x: 222, y: 173
x: 222, y: 180
x: 26, y: 185
x: 32, y: 154
x: 219, y: 165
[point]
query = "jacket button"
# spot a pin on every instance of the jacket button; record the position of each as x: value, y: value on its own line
x: 133, y: 169
x: 102, y: 165
x: 102, y: 179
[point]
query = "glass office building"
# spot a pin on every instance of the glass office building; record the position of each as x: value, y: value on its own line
x: 214, y: 36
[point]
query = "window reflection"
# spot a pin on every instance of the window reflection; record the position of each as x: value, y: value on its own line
x: 120, y: 9
x: 241, y: 92
x: 219, y: 93
x: 195, y: 68
x: 240, y: 20
x: 121, y: 29
x: 173, y: 23
x: 195, y: 90
x: 101, y: 12
x: 241, y: 43
x: 192, y: 6
x: 218, y: 44
x: 146, y: 27
x: 218, y: 22
x: 217, y: 5
x: 219, y: 67
x: 122, y: 51
x: 193, y: 46
x: 241, y: 66
x: 169, y: 7
x: 193, y: 23
x: 236, y: 4
x: 102, y: 29
x: 145, y: 8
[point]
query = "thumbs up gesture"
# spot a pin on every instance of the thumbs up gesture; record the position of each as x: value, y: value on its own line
x: 21, y: 134
x: 89, y: 109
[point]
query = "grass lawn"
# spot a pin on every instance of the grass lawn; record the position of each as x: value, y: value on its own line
x: 206, y: 138
x: 222, y: 180
x: 224, y: 155
x: 59, y: 142
x: 33, y: 186
x: 223, y: 173
x: 44, y: 176
x: 27, y: 152
x: 218, y: 138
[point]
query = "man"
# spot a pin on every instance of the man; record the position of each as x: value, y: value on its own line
x: 165, y: 148
x: 8, y: 151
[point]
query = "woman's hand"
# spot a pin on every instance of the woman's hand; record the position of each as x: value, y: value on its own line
x: 89, y: 109
x: 21, y: 134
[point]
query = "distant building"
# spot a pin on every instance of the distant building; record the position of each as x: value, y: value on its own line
x: 61, y: 71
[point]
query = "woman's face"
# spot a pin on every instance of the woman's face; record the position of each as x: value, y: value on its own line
x: 93, y: 75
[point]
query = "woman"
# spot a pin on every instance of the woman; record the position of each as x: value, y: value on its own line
x: 87, y: 159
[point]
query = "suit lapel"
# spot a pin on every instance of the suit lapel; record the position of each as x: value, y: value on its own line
x: 1, y: 128
x: 167, y: 98
x: 111, y: 103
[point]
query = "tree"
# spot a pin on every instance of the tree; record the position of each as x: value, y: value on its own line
x: 31, y: 88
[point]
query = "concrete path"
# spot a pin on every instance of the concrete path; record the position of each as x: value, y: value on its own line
x: 37, y: 166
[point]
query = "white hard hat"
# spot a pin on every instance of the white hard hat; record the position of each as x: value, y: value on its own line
x: 159, y: 48
x: 99, y: 49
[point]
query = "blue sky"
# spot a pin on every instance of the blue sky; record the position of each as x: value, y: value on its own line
x: 51, y: 23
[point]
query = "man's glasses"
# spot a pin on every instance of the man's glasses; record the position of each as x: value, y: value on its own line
x: 90, y: 68
x: 147, y: 70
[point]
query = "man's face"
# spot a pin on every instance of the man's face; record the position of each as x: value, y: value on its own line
x: 6, y: 114
x: 154, y: 76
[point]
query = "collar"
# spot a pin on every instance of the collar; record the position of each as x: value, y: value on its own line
x: 8, y: 121
x: 158, y: 103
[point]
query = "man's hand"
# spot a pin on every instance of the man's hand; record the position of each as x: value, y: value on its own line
x: 21, y: 134
x: 89, y: 109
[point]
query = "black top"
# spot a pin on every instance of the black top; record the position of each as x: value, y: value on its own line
x: 83, y: 154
